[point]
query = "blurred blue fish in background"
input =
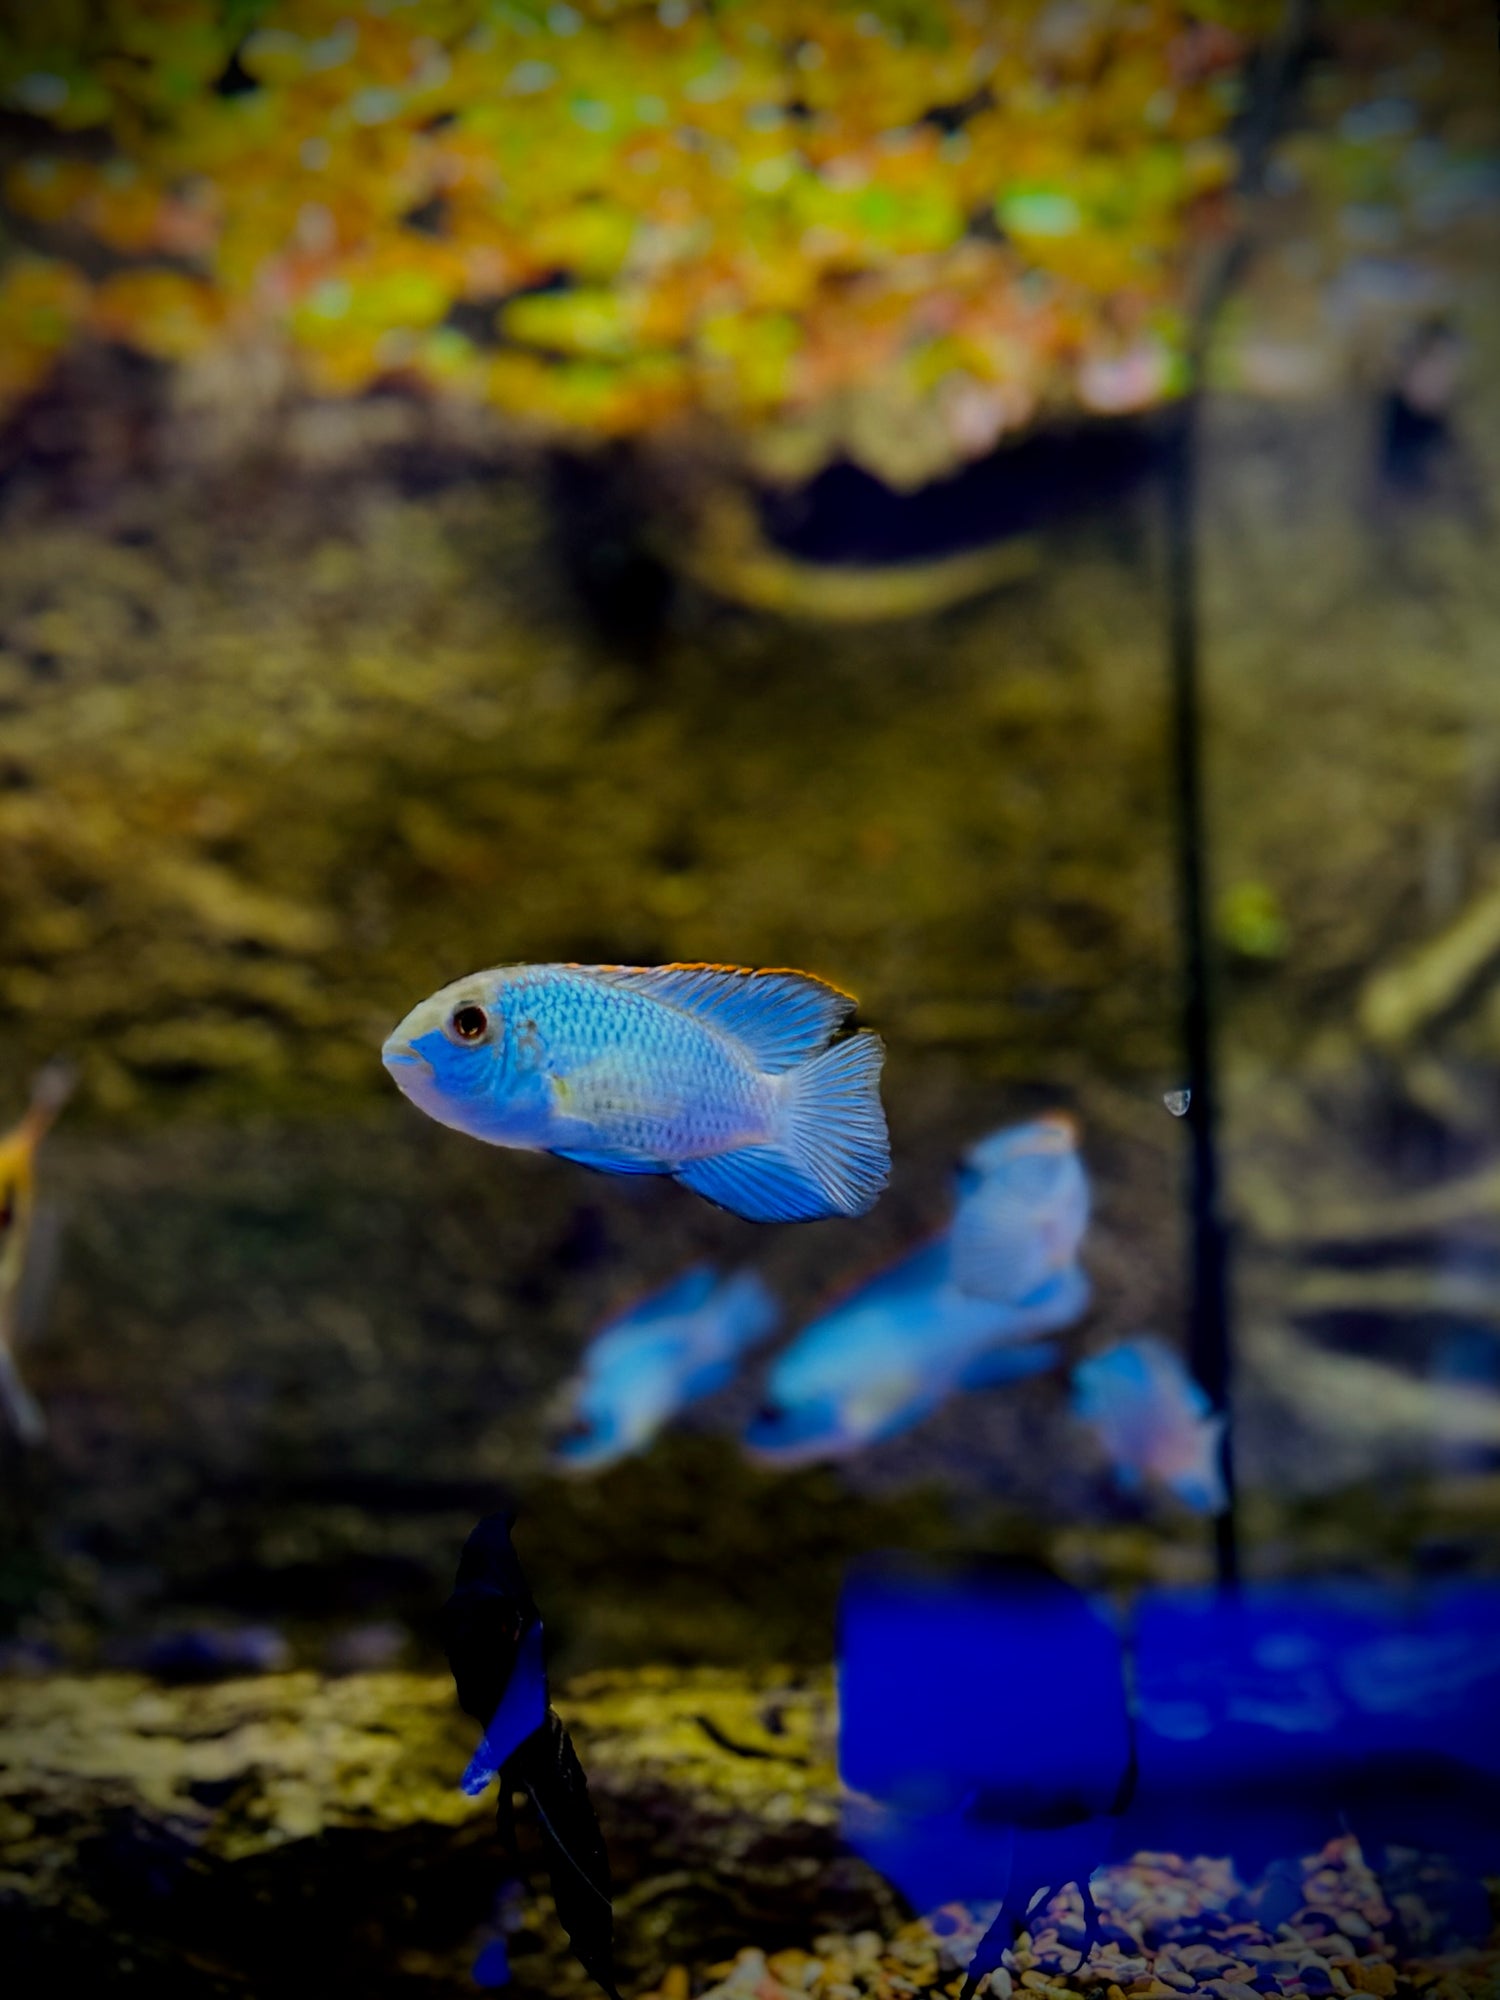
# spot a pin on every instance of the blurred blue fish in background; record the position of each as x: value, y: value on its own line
x: 895, y: 1349
x: 955, y: 1313
x: 1154, y: 1421
x: 720, y: 1076
x: 1023, y: 1209
x: 644, y: 1366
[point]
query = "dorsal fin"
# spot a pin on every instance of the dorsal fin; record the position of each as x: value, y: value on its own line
x: 782, y: 1016
x: 686, y: 1293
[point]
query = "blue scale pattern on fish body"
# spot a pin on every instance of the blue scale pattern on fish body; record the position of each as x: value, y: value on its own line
x: 645, y: 1078
x: 628, y: 1075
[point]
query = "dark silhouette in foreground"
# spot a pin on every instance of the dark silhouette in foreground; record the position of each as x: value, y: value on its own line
x: 492, y: 1634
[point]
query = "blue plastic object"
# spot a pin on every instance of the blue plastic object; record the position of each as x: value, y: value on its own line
x: 983, y: 1726
x: 994, y: 1685
x: 1269, y: 1720
x: 492, y: 1966
x: 986, y: 1732
x: 1278, y: 1678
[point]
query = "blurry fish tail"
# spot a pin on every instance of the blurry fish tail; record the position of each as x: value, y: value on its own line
x: 22, y: 1410
x: 748, y: 1311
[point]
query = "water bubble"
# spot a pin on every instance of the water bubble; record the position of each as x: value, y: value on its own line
x: 1177, y: 1102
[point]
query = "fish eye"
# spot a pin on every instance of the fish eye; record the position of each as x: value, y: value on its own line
x: 469, y: 1023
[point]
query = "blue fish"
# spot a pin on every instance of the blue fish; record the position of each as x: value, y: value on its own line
x: 721, y: 1077
x: 1154, y: 1421
x: 1023, y: 1208
x: 678, y: 1345
x: 895, y: 1349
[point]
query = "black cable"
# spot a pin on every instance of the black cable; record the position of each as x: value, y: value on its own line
x: 1210, y: 1344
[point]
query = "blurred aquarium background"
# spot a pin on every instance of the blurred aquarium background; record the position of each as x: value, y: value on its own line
x: 483, y: 480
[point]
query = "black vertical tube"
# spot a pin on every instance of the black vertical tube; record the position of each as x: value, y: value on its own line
x: 1210, y: 1345
x: 1210, y: 1349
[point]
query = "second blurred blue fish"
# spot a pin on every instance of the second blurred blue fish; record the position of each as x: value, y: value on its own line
x: 895, y: 1349
x: 1154, y: 1421
x: 678, y: 1345
x: 1023, y: 1208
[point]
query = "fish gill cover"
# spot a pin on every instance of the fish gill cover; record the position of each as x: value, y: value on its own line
x: 894, y: 232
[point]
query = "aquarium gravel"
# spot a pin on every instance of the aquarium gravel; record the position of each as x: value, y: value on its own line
x: 1169, y: 1926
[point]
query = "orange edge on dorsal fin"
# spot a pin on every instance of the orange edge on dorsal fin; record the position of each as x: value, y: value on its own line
x: 708, y: 965
x: 1065, y: 1121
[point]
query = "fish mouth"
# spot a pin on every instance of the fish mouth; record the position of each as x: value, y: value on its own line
x: 788, y: 1437
x: 398, y: 1055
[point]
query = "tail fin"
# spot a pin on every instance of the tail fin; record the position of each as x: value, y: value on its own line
x: 22, y: 1410
x: 746, y: 1310
x: 830, y: 1155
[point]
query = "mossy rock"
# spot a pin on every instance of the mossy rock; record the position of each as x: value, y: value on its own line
x: 304, y: 1834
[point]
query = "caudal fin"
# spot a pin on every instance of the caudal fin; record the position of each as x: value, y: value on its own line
x: 831, y: 1154
x: 750, y: 1311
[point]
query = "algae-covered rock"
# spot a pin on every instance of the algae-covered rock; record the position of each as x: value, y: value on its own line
x: 292, y: 1827
x: 245, y: 1765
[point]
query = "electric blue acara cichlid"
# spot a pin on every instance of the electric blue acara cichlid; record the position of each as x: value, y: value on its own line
x: 721, y: 1077
x: 667, y: 1352
x: 1154, y: 1421
x: 895, y: 1349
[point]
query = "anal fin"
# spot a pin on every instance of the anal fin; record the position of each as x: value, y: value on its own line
x: 761, y: 1183
x: 604, y: 1162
